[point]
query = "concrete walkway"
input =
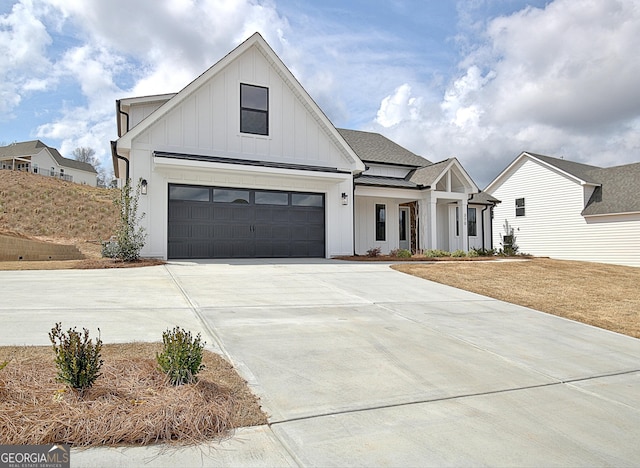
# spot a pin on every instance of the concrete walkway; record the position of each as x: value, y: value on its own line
x: 359, y: 365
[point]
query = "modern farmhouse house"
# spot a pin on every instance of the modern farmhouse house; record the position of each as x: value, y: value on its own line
x: 36, y: 157
x: 567, y: 210
x: 243, y: 163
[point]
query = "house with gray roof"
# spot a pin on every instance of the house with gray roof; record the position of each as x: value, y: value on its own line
x: 432, y: 204
x: 568, y: 210
x: 36, y: 157
x: 242, y: 162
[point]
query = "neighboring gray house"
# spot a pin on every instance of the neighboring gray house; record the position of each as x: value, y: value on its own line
x: 243, y: 163
x: 36, y: 157
x: 568, y: 210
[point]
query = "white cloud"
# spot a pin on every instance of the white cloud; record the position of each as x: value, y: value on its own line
x: 168, y: 45
x: 23, y: 44
x: 562, y: 80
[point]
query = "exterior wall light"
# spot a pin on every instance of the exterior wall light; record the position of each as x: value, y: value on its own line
x: 345, y: 198
x: 143, y: 186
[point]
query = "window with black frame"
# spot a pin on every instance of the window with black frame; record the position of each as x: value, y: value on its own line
x: 472, y: 229
x: 381, y: 222
x: 519, y: 206
x: 254, y: 109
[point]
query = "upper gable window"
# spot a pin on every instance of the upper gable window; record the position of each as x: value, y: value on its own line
x: 254, y: 109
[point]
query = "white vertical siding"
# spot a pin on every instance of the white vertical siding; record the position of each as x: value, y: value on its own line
x: 366, y: 224
x: 208, y: 122
x: 553, y: 225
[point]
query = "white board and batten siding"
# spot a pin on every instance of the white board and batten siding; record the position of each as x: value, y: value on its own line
x: 553, y: 225
x: 207, y: 123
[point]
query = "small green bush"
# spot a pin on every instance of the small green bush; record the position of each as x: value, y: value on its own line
x: 77, y: 357
x: 433, y: 253
x: 400, y: 253
x: 482, y: 252
x: 181, y: 357
x: 459, y: 253
x: 3, y: 364
x: 374, y: 252
x: 472, y: 253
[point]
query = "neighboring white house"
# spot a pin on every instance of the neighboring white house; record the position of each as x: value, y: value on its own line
x: 567, y: 210
x: 243, y: 163
x: 36, y: 157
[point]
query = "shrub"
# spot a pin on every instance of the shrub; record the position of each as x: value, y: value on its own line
x: 181, y: 357
x: 433, y: 253
x: 77, y: 357
x: 459, y: 253
x: 473, y: 253
x: 400, y: 253
x: 374, y: 252
x: 482, y: 252
x: 3, y: 364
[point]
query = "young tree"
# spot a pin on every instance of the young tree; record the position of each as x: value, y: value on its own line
x: 130, y: 236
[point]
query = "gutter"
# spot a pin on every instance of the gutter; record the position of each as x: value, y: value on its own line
x: 115, y: 156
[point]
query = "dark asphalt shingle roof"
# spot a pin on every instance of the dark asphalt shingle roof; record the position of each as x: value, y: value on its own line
x: 428, y: 175
x: 579, y: 170
x: 619, y: 191
x: 483, y: 198
x: 375, y: 148
x: 30, y: 148
x: 380, y: 181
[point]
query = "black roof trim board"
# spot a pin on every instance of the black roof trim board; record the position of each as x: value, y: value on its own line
x: 246, y: 162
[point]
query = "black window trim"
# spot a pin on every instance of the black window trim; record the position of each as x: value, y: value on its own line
x: 381, y: 225
x: 520, y: 207
x: 265, y: 112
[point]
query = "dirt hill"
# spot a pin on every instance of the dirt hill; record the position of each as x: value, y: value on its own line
x: 54, y: 210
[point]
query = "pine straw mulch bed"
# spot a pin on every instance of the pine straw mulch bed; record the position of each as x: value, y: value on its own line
x: 130, y: 403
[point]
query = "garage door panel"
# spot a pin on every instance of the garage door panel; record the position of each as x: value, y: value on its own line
x: 201, y: 211
x: 179, y: 211
x: 179, y: 230
x: 201, y: 231
x: 265, y: 224
x: 200, y: 249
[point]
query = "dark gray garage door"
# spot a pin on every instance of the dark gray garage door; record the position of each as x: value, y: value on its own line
x: 213, y: 222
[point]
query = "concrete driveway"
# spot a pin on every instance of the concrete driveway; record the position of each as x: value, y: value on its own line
x: 359, y: 365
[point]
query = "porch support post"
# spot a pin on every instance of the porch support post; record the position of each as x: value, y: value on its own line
x: 426, y: 224
x: 433, y: 223
x: 464, y: 231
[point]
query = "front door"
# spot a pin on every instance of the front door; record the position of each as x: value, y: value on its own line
x: 405, y: 239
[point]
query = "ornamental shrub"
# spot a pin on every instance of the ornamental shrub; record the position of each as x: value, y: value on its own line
x: 181, y: 357
x: 374, y: 252
x: 400, y: 253
x: 459, y: 253
x: 77, y: 357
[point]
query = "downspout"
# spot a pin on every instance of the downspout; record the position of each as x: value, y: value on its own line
x: 120, y: 111
x: 115, y: 155
x: 482, y: 217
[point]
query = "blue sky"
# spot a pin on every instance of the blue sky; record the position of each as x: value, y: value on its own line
x: 482, y: 80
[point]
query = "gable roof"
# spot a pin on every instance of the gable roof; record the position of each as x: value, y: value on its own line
x: 256, y: 40
x: 619, y: 191
x: 375, y: 148
x: 33, y: 147
x: 578, y: 170
x: 617, y: 188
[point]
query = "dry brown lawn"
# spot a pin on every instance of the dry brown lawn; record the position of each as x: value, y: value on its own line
x: 130, y: 403
x: 606, y: 296
x: 51, y: 209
